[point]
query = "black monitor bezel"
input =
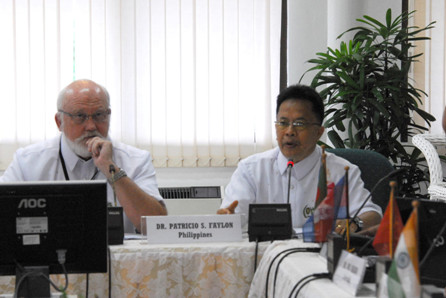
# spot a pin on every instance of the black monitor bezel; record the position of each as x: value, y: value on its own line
x: 89, y: 255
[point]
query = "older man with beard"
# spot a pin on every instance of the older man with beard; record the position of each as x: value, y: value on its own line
x: 84, y: 151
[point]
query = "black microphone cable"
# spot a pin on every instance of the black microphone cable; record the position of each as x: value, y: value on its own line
x: 305, y: 280
x: 255, y: 254
x: 434, y: 243
x: 369, y: 241
x: 289, y: 251
x: 109, y: 272
x: 277, y: 268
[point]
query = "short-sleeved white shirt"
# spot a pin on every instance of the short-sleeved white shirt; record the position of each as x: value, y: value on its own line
x: 41, y: 162
x: 263, y: 178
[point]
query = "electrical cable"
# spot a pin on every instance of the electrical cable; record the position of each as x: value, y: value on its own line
x: 305, y: 280
x: 297, y: 249
x: 365, y: 246
x: 277, y: 269
x: 434, y: 243
x: 44, y: 276
x: 109, y: 271
x: 256, y: 254
x: 19, y: 283
x: 87, y: 284
x: 271, y: 265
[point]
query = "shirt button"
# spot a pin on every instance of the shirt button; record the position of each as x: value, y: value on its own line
x: 292, y: 186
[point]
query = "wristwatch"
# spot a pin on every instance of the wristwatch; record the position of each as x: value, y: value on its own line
x: 117, y: 176
x: 359, y: 223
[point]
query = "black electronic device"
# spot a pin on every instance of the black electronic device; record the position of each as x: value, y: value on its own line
x: 360, y: 244
x: 115, y: 225
x: 335, y: 245
x: 431, y: 219
x: 37, y: 219
x: 269, y: 222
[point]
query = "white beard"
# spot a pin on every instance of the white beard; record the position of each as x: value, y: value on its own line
x: 78, y: 145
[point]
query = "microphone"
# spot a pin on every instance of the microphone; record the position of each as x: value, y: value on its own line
x: 115, y: 217
x: 112, y: 171
x: 290, y: 165
x: 279, y: 224
x: 391, y: 174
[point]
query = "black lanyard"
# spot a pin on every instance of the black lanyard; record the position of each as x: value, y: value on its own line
x: 62, y: 161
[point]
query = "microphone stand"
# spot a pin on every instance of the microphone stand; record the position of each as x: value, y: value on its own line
x: 434, y: 243
x: 372, y: 191
x: 290, y: 165
x: 112, y: 171
x: 115, y: 219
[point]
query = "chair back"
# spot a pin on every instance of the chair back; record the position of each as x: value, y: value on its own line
x: 373, y: 166
x: 428, y: 143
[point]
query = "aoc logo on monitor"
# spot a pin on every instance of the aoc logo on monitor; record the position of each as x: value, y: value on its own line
x: 32, y: 203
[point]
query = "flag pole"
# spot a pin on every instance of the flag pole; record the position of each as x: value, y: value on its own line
x: 322, y: 196
x: 391, y: 205
x: 324, y: 161
x: 347, y: 224
x: 415, y: 205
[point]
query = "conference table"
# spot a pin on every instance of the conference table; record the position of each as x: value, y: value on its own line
x: 275, y: 278
x: 220, y: 269
x: 138, y: 269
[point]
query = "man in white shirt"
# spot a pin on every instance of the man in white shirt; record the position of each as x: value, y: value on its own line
x: 263, y: 178
x: 84, y: 151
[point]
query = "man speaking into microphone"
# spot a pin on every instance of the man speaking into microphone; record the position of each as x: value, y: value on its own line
x: 263, y: 177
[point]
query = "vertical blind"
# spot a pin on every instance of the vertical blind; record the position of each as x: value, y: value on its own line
x: 192, y: 81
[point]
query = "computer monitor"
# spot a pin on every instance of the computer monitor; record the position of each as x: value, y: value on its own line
x: 39, y: 218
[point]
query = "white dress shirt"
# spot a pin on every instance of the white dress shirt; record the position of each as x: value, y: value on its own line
x: 41, y: 162
x: 263, y: 178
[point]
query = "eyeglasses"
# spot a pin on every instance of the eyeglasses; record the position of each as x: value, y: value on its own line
x: 79, y: 118
x: 299, y: 125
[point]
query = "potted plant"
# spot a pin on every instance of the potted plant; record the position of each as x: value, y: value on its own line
x: 369, y: 97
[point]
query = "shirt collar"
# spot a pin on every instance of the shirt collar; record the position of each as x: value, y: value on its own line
x: 301, y: 168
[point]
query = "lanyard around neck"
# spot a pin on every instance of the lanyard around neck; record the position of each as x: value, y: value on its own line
x: 64, y: 167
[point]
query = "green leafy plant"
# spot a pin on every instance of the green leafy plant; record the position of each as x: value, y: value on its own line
x: 369, y: 97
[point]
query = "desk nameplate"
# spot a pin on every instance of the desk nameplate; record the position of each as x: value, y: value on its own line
x: 192, y: 228
x: 349, y: 272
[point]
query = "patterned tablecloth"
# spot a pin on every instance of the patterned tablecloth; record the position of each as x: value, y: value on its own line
x: 148, y: 270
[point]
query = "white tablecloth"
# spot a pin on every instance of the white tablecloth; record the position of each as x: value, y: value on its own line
x: 292, y: 269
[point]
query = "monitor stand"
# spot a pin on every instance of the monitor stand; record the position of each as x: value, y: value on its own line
x: 34, y: 283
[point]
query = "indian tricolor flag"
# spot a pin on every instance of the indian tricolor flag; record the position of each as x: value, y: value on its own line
x: 403, y: 276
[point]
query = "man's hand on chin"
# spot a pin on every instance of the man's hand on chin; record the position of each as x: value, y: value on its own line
x: 102, y: 152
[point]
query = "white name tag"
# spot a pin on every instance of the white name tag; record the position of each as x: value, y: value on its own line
x: 349, y: 272
x: 192, y: 228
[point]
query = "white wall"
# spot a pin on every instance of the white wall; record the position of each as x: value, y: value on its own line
x: 315, y: 24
